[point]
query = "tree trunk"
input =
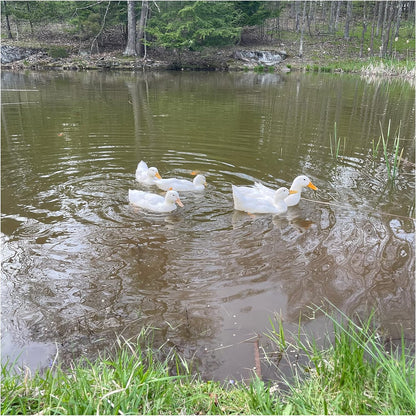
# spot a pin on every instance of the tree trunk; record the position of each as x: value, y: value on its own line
x: 380, y: 18
x: 337, y: 16
x: 399, y: 15
x: 373, y: 26
x: 276, y: 29
x: 9, y: 30
x: 386, y: 35
x: 302, y: 30
x: 348, y: 19
x: 142, y: 26
x: 394, y: 10
x: 309, y: 17
x: 296, y: 17
x: 364, y: 29
x: 30, y: 20
x: 331, y: 20
x: 385, y: 16
x: 131, y: 29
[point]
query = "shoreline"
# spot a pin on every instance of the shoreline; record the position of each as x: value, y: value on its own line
x: 139, y: 379
x: 224, y: 60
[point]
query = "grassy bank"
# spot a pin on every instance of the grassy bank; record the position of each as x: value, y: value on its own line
x: 355, y: 375
x: 368, y: 67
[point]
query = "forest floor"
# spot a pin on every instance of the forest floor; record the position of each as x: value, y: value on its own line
x: 55, y: 49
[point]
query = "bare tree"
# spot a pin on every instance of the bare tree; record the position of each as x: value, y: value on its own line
x: 331, y: 20
x: 302, y: 30
x: 142, y: 27
x: 131, y: 29
x: 364, y: 28
x: 95, y: 40
x: 296, y: 9
x: 373, y: 26
x: 386, y: 33
x: 309, y: 17
x: 381, y: 7
x: 337, y: 15
x: 399, y: 15
x: 348, y: 20
x: 9, y: 31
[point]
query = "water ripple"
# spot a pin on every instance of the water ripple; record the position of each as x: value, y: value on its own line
x: 79, y: 264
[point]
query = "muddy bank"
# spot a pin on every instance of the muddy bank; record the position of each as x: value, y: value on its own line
x: 20, y: 58
x: 324, y: 57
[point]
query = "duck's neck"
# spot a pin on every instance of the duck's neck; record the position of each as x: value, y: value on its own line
x: 296, y: 187
x: 169, y: 203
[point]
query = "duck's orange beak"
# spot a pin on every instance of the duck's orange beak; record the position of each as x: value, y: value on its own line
x: 158, y: 175
x: 312, y: 186
x: 179, y: 202
x: 291, y: 191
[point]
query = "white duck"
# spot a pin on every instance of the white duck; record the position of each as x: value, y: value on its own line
x: 298, y: 184
x: 183, y: 185
x: 146, y: 175
x: 250, y: 200
x: 153, y: 202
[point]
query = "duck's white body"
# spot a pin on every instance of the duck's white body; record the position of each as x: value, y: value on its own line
x: 146, y: 175
x: 293, y: 199
x: 183, y: 185
x: 250, y: 200
x: 153, y: 202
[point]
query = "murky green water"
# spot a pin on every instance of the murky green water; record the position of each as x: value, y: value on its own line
x: 80, y: 266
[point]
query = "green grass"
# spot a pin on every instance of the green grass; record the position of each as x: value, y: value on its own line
x: 355, y: 375
x: 262, y: 69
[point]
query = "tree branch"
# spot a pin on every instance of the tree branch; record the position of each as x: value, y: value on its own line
x: 101, y: 29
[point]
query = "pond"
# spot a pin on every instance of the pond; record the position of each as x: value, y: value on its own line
x: 80, y: 266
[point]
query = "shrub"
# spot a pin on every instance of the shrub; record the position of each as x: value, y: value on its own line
x: 57, y: 52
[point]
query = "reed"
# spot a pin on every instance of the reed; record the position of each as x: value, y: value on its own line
x: 335, y: 143
x: 376, y: 147
x: 391, y: 158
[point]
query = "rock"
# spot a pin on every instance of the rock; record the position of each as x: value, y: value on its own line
x: 261, y: 57
x: 14, y: 53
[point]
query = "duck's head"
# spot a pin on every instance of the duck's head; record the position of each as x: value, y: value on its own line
x: 302, y: 181
x: 153, y: 173
x: 282, y: 193
x: 173, y: 197
x: 200, y: 180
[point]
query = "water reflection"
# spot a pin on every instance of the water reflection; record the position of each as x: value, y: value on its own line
x: 81, y: 266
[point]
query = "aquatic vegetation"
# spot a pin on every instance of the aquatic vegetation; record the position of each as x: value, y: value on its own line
x: 391, y: 157
x: 375, y: 147
x: 389, y: 67
x: 335, y: 143
x: 383, y: 67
